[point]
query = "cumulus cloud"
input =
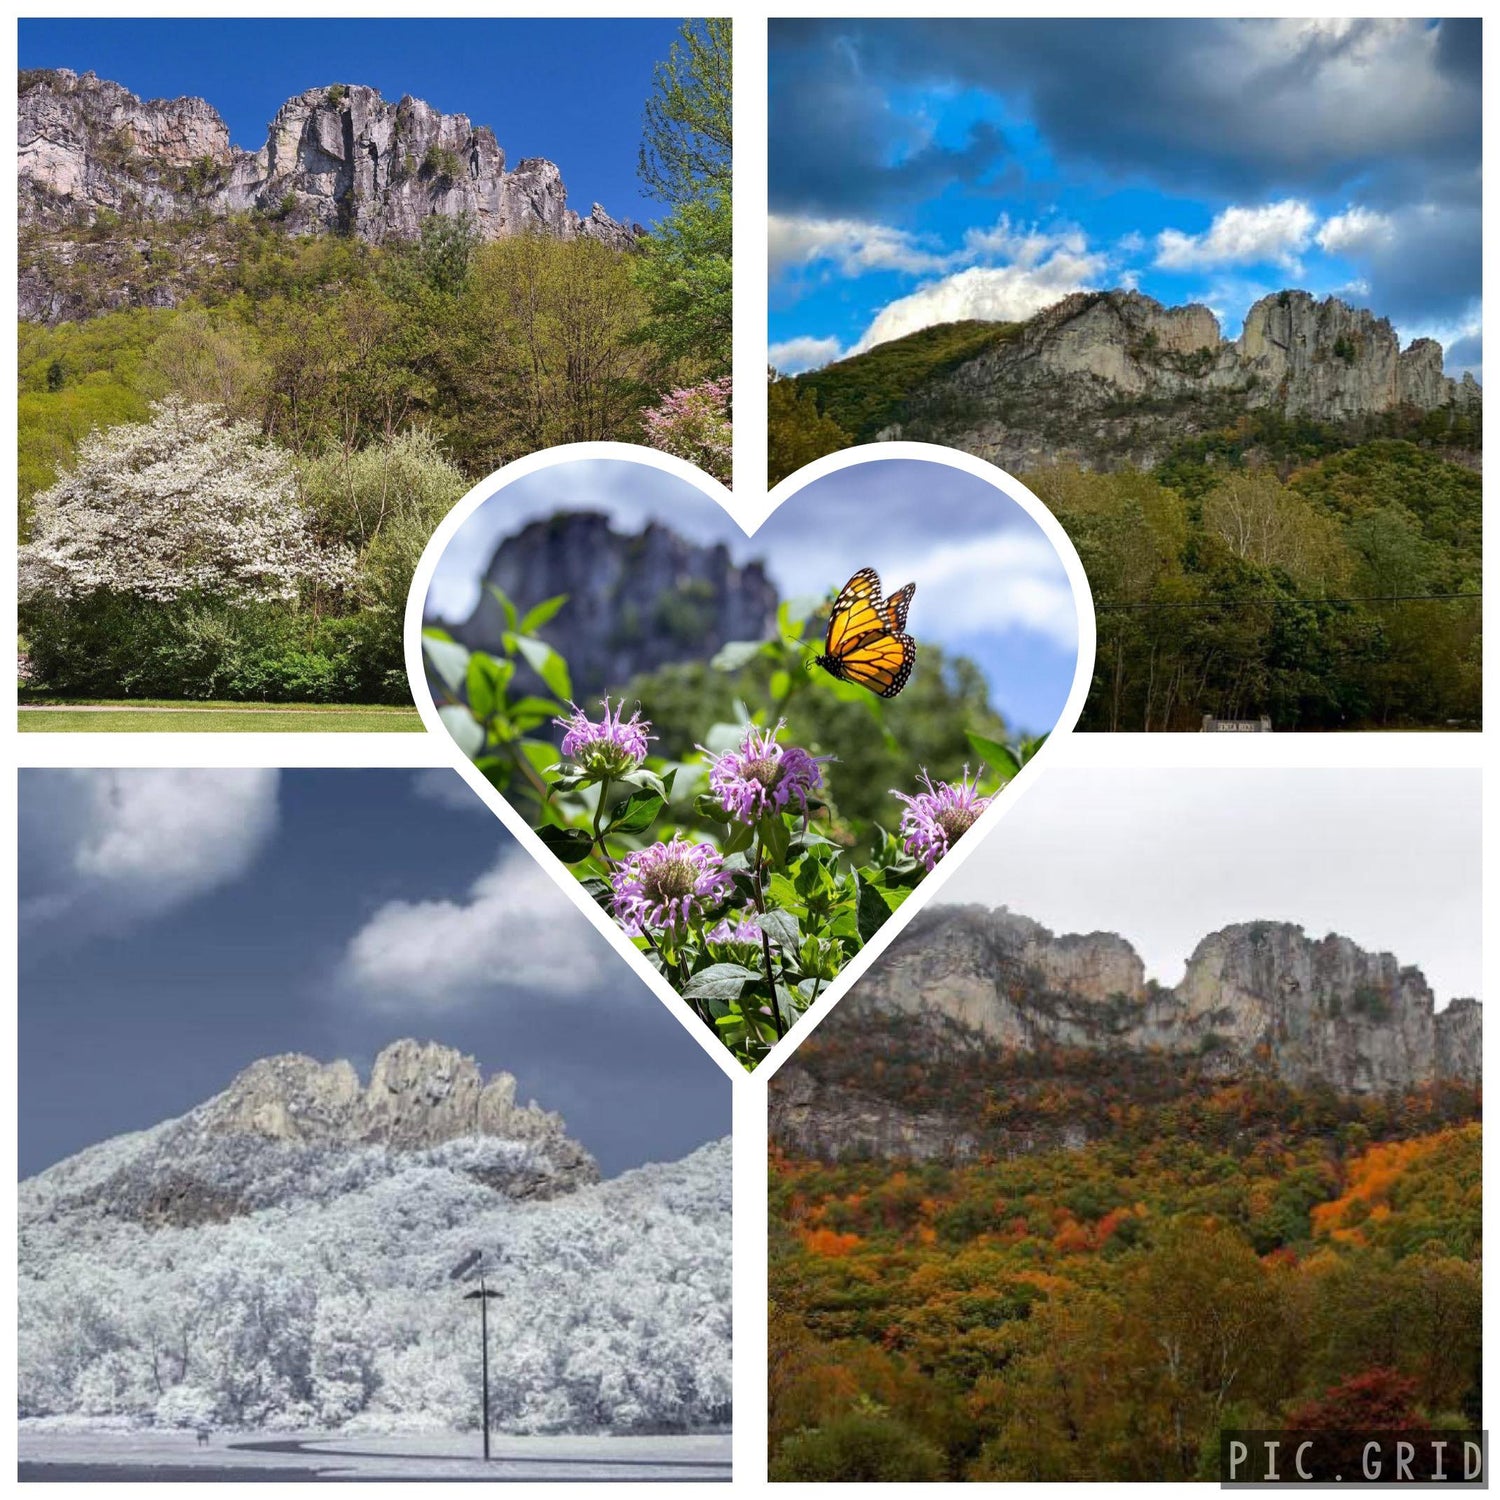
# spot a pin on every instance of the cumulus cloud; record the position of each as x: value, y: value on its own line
x: 993, y: 293
x: 106, y: 849
x: 959, y: 593
x: 853, y: 246
x: 1355, y: 231
x: 514, y: 930
x: 1273, y: 233
x: 448, y: 790
x: 793, y: 356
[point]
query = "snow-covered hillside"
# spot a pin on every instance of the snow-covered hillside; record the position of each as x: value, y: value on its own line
x: 201, y: 1271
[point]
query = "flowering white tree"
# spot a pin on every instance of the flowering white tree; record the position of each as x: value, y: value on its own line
x: 181, y: 505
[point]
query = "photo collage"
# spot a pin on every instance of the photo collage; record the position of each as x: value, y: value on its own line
x: 927, y: 795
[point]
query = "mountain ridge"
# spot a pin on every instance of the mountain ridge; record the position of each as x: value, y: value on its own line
x: 637, y: 600
x: 1114, y: 378
x: 1257, y: 1000
x: 124, y: 202
x: 289, y: 1128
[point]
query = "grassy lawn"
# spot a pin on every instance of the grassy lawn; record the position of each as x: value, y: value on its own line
x: 161, y: 716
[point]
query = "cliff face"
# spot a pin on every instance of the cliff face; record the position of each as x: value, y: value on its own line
x: 1115, y: 377
x: 635, y: 602
x: 339, y: 158
x: 1257, y: 998
x: 290, y: 1128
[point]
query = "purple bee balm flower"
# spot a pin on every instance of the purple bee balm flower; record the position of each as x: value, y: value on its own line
x: 763, y: 777
x: 669, y: 886
x: 937, y: 818
x: 612, y: 747
x: 743, y: 930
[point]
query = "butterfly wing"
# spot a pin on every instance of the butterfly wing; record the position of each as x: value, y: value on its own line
x: 881, y: 662
x: 896, y: 607
x: 856, y: 613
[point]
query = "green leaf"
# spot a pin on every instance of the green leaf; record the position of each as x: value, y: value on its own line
x: 733, y: 655
x: 737, y: 840
x: 467, y: 734
x: 547, y: 665
x: 503, y: 599
x: 600, y: 890
x: 539, y: 614
x: 646, y: 779
x: 870, y: 912
x: 996, y: 756
x: 775, y: 837
x: 547, y: 707
x: 486, y: 682
x: 637, y: 812
x: 781, y: 684
x: 782, y: 929
x: 569, y: 844
x: 719, y: 982
x: 449, y: 660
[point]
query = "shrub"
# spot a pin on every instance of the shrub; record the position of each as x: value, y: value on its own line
x: 862, y: 1447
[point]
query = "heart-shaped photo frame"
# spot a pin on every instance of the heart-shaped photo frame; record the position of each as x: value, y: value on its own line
x: 749, y: 750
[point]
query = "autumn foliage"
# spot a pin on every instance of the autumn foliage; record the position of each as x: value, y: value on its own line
x: 1216, y: 1255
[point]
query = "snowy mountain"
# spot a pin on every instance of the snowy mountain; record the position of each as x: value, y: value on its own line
x: 279, y: 1256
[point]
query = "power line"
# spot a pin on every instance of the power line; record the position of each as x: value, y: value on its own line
x: 1268, y: 599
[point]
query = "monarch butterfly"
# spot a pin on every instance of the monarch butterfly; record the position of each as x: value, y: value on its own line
x: 867, y: 642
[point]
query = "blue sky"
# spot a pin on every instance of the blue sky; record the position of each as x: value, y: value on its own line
x: 572, y: 91
x: 177, y: 925
x: 989, y: 585
x: 968, y: 168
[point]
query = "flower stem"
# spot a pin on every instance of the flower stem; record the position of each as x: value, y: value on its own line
x: 599, y: 844
x: 765, y: 948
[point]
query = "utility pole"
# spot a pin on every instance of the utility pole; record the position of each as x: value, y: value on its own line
x: 467, y: 1267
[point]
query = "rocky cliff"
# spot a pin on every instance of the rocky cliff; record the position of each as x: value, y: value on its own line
x: 290, y: 1127
x: 1115, y: 377
x: 1258, y: 998
x: 636, y: 601
x: 336, y: 159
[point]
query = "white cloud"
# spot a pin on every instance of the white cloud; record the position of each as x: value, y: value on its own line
x: 113, y: 847
x: 1021, y: 246
x: 449, y: 790
x: 852, y: 245
x: 793, y: 356
x: 514, y: 930
x: 1356, y: 231
x: 1009, y: 580
x: 1273, y: 233
x: 1001, y: 294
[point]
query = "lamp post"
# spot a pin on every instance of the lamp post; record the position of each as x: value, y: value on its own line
x: 471, y: 1263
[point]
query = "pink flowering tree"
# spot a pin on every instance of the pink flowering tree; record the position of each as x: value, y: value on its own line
x: 693, y: 422
x: 731, y: 868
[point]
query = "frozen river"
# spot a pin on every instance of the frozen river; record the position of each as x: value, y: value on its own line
x: 158, y: 1455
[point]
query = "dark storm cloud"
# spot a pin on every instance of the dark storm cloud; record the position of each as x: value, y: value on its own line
x: 1236, y: 107
x: 838, y: 147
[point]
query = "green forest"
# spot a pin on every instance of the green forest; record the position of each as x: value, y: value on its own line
x: 355, y: 391
x: 1326, y: 577
x: 1218, y: 1255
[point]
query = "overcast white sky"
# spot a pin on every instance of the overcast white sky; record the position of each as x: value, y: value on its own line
x: 1163, y: 857
x: 989, y: 583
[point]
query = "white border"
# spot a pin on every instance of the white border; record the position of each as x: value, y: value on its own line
x: 493, y: 486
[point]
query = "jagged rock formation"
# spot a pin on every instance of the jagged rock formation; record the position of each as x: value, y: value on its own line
x: 336, y: 158
x: 1257, y: 998
x: 635, y: 602
x: 1115, y: 377
x: 291, y: 1126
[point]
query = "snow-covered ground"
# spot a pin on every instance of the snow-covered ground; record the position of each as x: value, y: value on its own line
x: 165, y: 1454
